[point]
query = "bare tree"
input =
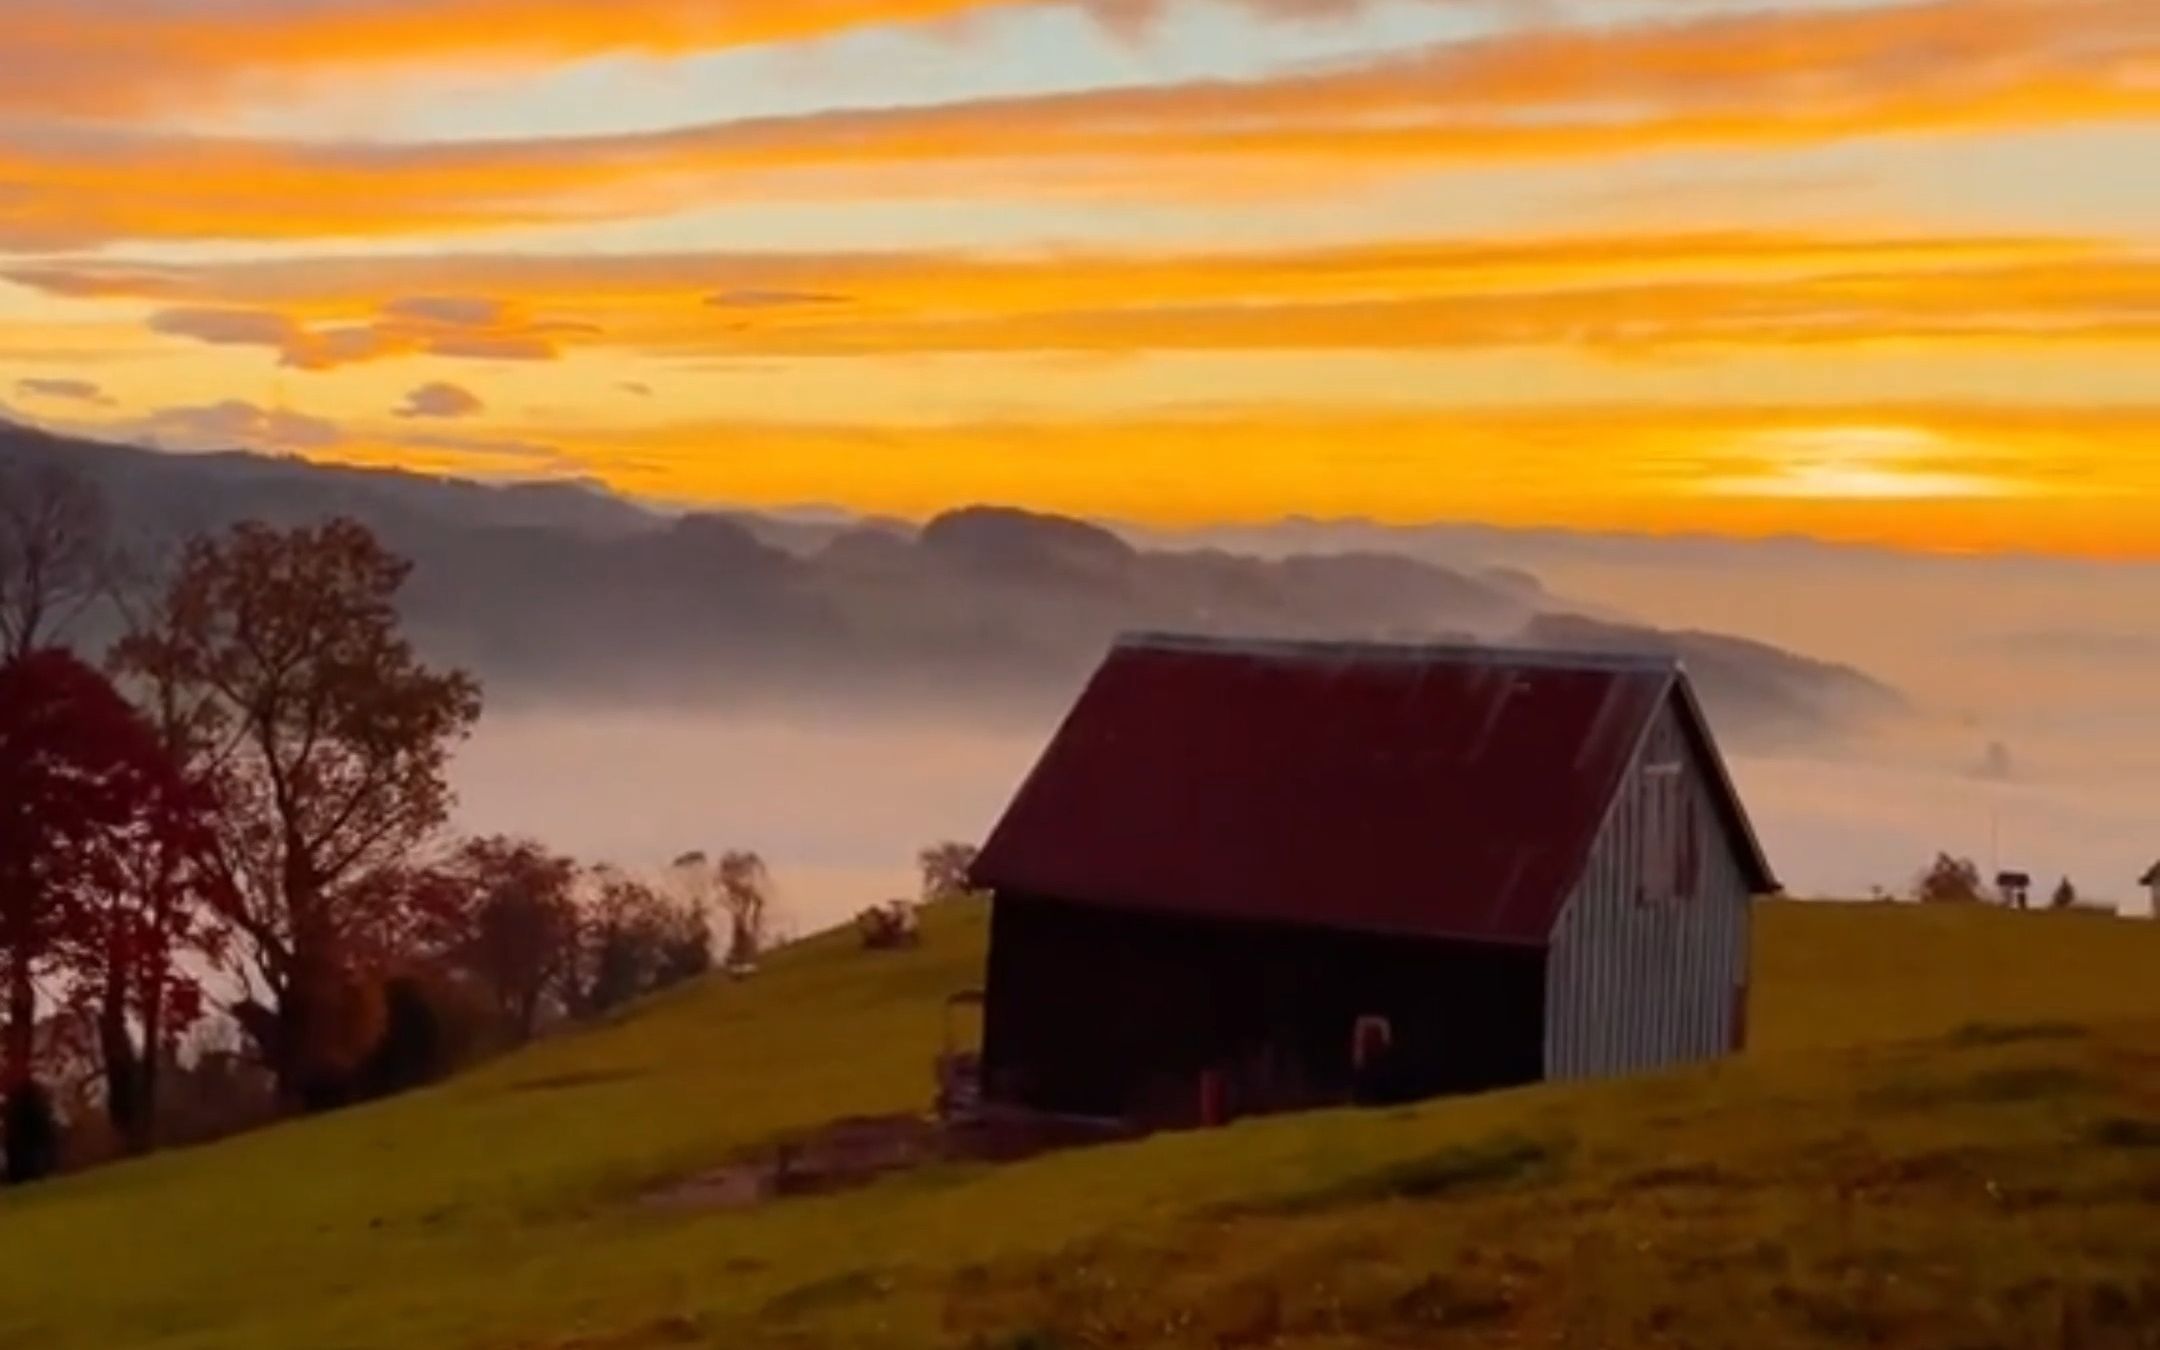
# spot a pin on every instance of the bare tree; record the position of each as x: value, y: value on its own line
x: 693, y: 882
x: 55, y: 554
x: 746, y: 894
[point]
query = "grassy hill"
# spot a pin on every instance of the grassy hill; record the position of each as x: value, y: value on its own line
x: 1947, y: 1134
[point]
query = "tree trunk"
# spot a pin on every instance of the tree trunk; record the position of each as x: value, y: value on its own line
x: 153, y: 1053
x: 16, y: 1065
x: 128, y: 1070
x: 32, y: 1134
x: 123, y: 1095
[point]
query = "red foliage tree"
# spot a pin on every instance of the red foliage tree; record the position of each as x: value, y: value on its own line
x: 83, y: 782
x: 504, y: 914
x: 153, y: 904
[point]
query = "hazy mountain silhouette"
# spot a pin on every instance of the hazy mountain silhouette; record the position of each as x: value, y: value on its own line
x: 564, y: 591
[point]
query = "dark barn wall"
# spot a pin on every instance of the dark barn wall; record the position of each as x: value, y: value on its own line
x: 1116, y: 1013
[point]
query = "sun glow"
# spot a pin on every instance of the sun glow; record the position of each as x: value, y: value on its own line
x: 1862, y: 463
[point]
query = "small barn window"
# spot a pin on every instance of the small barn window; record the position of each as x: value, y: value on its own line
x: 1669, y: 835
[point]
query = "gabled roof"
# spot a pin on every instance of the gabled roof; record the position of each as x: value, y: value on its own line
x: 2152, y: 877
x: 1438, y: 791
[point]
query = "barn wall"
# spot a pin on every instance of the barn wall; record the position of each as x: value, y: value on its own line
x: 1649, y: 962
x: 1108, y: 1012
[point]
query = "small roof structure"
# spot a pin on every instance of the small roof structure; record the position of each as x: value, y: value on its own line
x: 2151, y: 877
x: 1435, y: 791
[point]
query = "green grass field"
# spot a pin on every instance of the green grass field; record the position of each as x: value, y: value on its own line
x: 1947, y: 1134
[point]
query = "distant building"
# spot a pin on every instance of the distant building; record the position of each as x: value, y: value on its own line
x: 2015, y: 889
x: 2151, y: 881
x: 1250, y: 877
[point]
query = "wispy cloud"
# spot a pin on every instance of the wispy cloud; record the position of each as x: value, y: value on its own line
x: 121, y: 57
x: 1620, y: 295
x: 754, y: 299
x: 464, y: 329
x: 1766, y: 79
x: 65, y: 391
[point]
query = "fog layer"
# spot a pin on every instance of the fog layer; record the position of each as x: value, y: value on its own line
x: 2031, y: 738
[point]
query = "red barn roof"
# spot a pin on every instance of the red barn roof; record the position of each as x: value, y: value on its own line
x: 1438, y: 791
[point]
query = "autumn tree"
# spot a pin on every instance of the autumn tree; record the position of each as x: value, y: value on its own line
x: 80, y: 775
x: 327, y: 741
x: 1949, y: 880
x: 944, y: 868
x: 160, y: 904
x: 147, y: 924
x: 637, y: 940
x: 518, y: 935
x: 55, y: 554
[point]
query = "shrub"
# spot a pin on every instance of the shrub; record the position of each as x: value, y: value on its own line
x: 1949, y: 881
x: 431, y: 1026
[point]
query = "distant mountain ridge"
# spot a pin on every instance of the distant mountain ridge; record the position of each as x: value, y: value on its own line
x: 565, y: 591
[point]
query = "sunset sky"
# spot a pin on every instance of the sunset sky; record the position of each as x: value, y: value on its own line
x: 1852, y: 268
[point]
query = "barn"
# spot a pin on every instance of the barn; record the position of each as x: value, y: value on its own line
x: 1262, y: 876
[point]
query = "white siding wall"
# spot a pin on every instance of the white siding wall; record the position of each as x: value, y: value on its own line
x: 1637, y: 980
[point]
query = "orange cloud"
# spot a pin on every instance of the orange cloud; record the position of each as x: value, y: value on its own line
x: 65, y: 390
x: 456, y: 327
x: 440, y: 400
x: 1760, y: 79
x: 471, y: 288
x: 1622, y: 295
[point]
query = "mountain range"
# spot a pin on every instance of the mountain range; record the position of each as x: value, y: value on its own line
x: 565, y: 592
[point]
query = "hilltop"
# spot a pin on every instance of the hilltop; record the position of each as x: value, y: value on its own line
x: 1947, y: 1132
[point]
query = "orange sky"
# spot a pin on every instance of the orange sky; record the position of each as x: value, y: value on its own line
x: 1882, y: 271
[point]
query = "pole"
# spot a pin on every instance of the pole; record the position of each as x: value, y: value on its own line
x: 1995, y: 839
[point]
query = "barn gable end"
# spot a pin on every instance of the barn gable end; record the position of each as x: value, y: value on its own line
x: 1648, y: 963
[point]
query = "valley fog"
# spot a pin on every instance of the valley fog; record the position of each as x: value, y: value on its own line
x: 837, y: 802
x: 2033, y: 740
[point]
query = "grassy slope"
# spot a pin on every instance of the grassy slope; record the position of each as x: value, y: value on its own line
x: 1868, y: 1173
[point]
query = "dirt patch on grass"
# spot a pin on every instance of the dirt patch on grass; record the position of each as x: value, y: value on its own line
x: 1977, y: 1035
x: 1936, y: 1174
x: 2124, y: 1132
x: 857, y: 1151
x: 838, y: 1291
x: 559, y: 1082
x: 653, y: 1335
x: 1501, y: 1161
x: 844, y: 1154
x: 1447, y: 1301
x: 1682, y: 1177
x: 1989, y: 1087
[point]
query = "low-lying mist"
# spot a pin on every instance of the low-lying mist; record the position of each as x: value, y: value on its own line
x: 2032, y: 741
x: 837, y: 800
